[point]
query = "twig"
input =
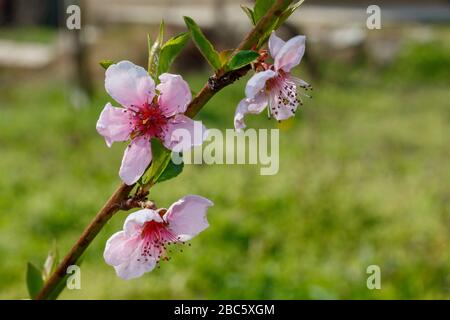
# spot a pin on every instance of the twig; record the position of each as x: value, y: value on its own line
x: 132, y: 203
x: 120, y: 200
x: 91, y: 231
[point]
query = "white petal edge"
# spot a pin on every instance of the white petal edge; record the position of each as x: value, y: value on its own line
x: 136, y: 158
x: 257, y: 83
x: 129, y: 84
x: 187, y: 216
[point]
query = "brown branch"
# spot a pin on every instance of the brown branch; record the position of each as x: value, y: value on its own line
x: 91, y: 231
x: 132, y: 203
x: 120, y: 200
x: 250, y: 41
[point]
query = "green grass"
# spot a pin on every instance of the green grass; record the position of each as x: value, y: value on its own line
x: 364, y: 179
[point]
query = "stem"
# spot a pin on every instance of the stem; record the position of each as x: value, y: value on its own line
x: 250, y: 41
x: 109, y: 208
x: 120, y: 198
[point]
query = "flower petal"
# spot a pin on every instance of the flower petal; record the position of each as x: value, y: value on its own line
x: 113, y: 124
x: 135, y: 221
x: 290, y: 54
x: 175, y: 94
x: 246, y: 106
x: 183, y: 133
x: 284, y: 113
x: 281, y: 111
x: 187, y: 216
x: 258, y: 82
x: 129, y: 84
x: 241, y: 111
x: 258, y: 104
x: 136, y: 265
x: 275, y: 44
x: 301, y: 83
x: 119, y: 248
x: 136, y: 158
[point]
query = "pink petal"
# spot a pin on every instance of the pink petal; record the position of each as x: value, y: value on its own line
x: 175, y: 94
x: 113, y: 124
x: 183, y: 133
x: 135, y: 266
x: 187, y: 216
x: 123, y: 250
x: 119, y: 247
x: 257, y: 104
x: 283, y: 114
x: 134, y: 222
x: 128, y: 84
x: 258, y: 82
x: 301, y: 83
x: 135, y: 160
x: 281, y: 111
x: 275, y: 44
x: 290, y: 54
x: 239, y: 115
x: 246, y: 106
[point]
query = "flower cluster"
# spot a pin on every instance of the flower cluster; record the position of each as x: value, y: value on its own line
x: 148, y: 112
x: 274, y: 86
x: 152, y: 111
x: 147, y: 233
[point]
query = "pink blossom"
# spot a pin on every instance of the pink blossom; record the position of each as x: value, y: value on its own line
x: 147, y: 233
x: 148, y: 112
x: 275, y: 86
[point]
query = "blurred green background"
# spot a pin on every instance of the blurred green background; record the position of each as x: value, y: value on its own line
x: 363, y: 180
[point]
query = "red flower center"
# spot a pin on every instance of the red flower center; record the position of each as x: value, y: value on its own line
x: 148, y: 120
x: 156, y: 237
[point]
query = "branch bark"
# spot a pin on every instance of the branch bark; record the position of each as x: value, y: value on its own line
x: 120, y: 199
x: 109, y: 208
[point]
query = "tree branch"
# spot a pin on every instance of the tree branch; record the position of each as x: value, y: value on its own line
x: 120, y: 200
x: 110, y: 207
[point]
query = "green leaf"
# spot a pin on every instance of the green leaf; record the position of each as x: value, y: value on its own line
x: 249, y: 13
x: 288, y: 12
x: 295, y: 6
x: 261, y: 8
x: 51, y: 262
x: 171, y: 171
x: 263, y: 39
x: 34, y: 280
x: 106, y: 63
x: 161, y: 168
x: 278, y: 22
x: 170, y: 51
x: 224, y: 56
x: 154, y: 52
x: 203, y: 44
x: 241, y: 59
x: 161, y: 157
